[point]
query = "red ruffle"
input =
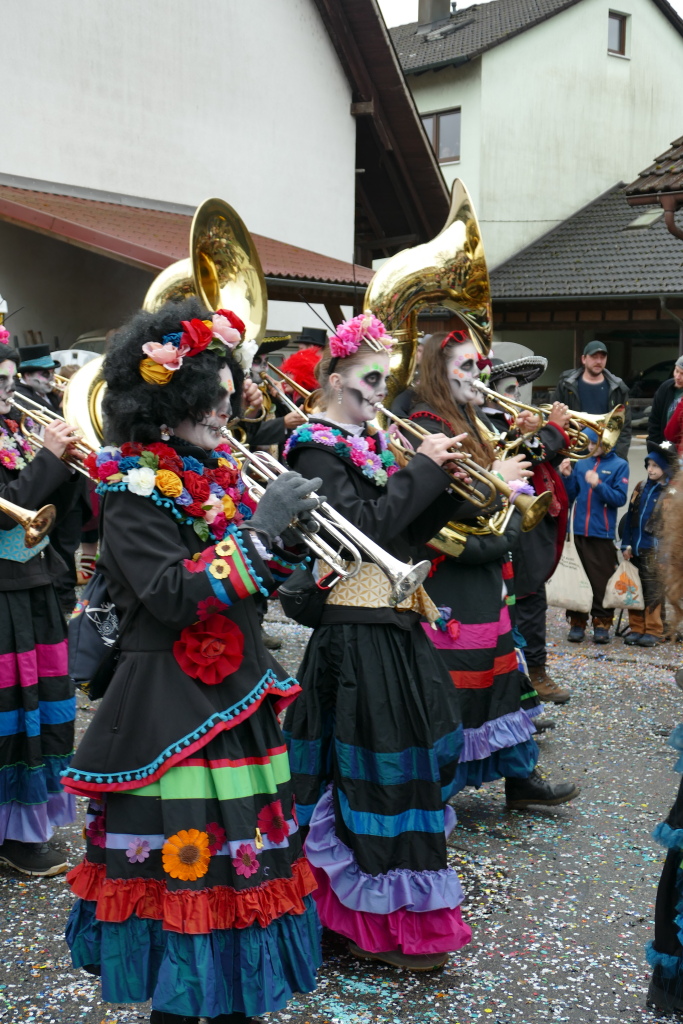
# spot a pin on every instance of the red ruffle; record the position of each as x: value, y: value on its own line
x: 186, y: 911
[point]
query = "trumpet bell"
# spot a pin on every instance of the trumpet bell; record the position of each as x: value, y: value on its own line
x: 40, y: 523
x: 608, y: 426
x: 533, y: 508
x: 223, y: 269
x: 405, y: 582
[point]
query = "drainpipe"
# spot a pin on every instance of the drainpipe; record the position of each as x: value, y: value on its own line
x: 668, y: 312
x: 670, y: 205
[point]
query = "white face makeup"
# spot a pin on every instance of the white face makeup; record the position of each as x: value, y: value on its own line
x: 227, y: 380
x: 508, y: 386
x: 363, y: 384
x: 207, y: 433
x: 41, y: 381
x: 8, y: 381
x: 462, y: 370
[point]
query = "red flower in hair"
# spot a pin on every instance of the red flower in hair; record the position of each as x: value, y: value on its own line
x: 197, y: 485
x: 232, y: 318
x: 271, y: 821
x: 197, y: 335
x: 210, y: 650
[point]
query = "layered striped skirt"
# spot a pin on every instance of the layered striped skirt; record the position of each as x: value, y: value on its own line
x: 374, y: 742
x: 37, y: 710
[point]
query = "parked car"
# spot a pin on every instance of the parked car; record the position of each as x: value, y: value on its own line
x: 647, y: 381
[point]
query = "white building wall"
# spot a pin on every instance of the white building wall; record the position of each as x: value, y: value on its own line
x: 174, y: 101
x: 557, y: 120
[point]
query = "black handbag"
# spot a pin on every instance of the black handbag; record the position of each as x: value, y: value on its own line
x: 303, y: 597
x: 94, y: 638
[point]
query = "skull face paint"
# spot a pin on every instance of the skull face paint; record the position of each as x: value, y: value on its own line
x: 363, y: 385
x: 8, y: 380
x: 508, y: 386
x: 462, y: 370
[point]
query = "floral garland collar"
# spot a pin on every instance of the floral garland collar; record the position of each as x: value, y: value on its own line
x: 369, y: 454
x: 207, y: 498
x: 15, y: 451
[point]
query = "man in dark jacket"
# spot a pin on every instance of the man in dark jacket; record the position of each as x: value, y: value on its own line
x: 594, y: 389
x: 667, y: 397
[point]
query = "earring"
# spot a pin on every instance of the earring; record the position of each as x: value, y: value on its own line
x: 340, y: 395
x: 165, y: 432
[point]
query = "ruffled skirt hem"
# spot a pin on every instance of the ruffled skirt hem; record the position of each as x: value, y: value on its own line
x: 35, y: 823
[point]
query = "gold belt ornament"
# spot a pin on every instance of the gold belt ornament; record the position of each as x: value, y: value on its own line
x: 371, y: 589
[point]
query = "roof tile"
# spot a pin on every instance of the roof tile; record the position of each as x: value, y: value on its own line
x: 664, y: 175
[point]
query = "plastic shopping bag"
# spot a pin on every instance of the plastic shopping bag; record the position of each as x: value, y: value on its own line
x: 569, y: 586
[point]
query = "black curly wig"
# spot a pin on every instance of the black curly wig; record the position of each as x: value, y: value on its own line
x: 135, y: 410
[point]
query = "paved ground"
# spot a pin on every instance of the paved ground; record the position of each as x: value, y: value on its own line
x: 561, y: 903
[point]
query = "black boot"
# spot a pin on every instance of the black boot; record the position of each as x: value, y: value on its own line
x: 520, y: 793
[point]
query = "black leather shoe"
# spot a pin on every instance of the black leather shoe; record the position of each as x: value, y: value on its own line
x: 576, y: 635
x: 631, y: 639
x: 648, y: 640
x: 520, y: 793
x: 601, y: 635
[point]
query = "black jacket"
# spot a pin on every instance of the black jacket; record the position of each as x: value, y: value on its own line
x: 567, y: 391
x: 659, y: 413
x: 44, y: 480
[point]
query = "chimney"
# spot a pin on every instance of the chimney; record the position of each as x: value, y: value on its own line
x: 432, y: 11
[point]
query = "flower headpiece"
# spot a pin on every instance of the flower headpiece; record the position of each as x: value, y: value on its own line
x: 4, y: 335
x: 362, y: 328
x: 223, y: 331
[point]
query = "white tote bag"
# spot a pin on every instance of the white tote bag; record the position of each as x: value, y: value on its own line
x: 569, y: 587
x: 624, y: 589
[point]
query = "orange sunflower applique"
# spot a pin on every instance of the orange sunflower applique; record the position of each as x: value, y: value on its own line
x: 186, y: 855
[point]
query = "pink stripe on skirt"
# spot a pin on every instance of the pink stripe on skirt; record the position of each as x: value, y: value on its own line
x: 25, y: 668
x: 473, y: 635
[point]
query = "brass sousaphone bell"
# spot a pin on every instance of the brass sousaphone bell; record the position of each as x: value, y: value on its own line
x: 449, y: 271
x: 223, y: 270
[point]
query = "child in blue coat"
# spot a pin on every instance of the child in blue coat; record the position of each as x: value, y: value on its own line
x: 598, y: 486
x: 639, y: 544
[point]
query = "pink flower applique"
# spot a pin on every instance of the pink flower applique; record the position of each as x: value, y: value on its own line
x: 97, y: 831
x: 138, y: 850
x: 166, y: 355
x: 217, y: 836
x: 246, y: 862
x: 209, y: 606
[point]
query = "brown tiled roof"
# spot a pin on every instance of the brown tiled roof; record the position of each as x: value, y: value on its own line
x: 153, y: 239
x: 595, y: 252
x: 664, y: 175
x: 473, y: 30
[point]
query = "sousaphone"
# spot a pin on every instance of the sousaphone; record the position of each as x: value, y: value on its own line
x: 449, y: 271
x: 223, y: 270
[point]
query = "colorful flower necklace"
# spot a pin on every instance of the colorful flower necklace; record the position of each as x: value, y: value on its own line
x: 206, y: 498
x: 370, y: 454
x: 15, y: 450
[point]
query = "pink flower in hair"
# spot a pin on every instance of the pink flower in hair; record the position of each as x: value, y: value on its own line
x: 349, y: 335
x: 224, y: 331
x: 4, y: 336
x: 165, y: 355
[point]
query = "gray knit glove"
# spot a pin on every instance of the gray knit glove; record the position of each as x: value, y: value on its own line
x: 288, y: 497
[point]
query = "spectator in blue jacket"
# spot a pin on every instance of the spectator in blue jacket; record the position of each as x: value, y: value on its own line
x: 639, y: 544
x: 598, y: 486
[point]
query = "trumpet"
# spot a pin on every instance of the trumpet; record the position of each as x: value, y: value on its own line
x: 43, y: 416
x: 310, y: 397
x: 531, y: 507
x: 404, y: 578
x: 35, y: 524
x: 281, y: 394
x: 607, y: 426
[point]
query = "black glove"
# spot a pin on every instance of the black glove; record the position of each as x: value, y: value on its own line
x: 288, y: 497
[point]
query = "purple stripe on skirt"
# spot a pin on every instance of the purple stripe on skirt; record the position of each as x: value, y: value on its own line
x: 419, y: 891
x: 506, y: 731
x: 35, y: 823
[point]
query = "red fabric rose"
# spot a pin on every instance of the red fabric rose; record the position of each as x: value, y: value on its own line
x: 13, y: 425
x: 168, y: 458
x: 219, y: 526
x: 232, y: 318
x: 131, y: 448
x: 370, y: 442
x: 107, y: 469
x: 197, y: 335
x: 90, y: 463
x: 197, y: 485
x: 210, y: 650
x: 271, y: 821
x: 195, y: 509
x: 225, y: 478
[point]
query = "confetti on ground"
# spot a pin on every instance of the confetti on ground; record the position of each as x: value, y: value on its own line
x: 560, y: 901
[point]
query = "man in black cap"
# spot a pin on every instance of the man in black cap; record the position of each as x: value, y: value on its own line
x: 596, y: 390
x: 37, y: 371
x: 312, y: 336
